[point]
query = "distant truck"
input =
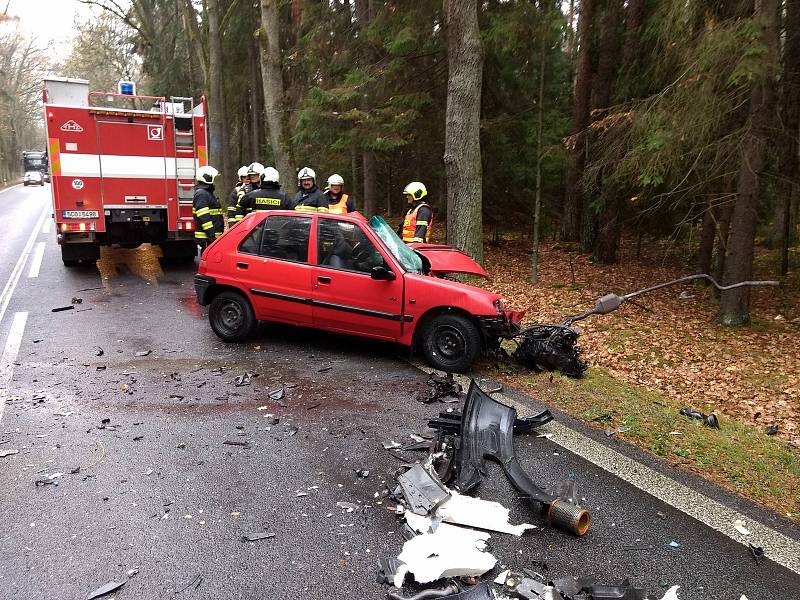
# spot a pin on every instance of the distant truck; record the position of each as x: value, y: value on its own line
x: 35, y: 160
x: 123, y: 168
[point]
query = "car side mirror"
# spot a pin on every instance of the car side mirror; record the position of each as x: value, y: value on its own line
x: 382, y: 274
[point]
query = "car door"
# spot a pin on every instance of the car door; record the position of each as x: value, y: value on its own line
x: 273, y: 263
x: 346, y: 298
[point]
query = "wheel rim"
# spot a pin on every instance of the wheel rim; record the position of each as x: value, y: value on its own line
x: 230, y: 315
x: 449, y: 342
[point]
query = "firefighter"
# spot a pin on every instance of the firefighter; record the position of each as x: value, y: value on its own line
x: 206, y: 209
x: 309, y: 197
x: 417, y: 224
x: 254, y: 171
x: 269, y: 196
x: 236, y: 195
x: 335, y: 198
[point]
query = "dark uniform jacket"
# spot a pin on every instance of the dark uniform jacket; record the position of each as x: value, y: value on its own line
x: 208, y: 223
x: 309, y: 200
x: 269, y: 196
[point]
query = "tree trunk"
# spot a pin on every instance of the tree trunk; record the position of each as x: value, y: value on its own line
x: 219, y: 135
x: 537, y: 203
x: 254, y: 102
x: 573, y: 198
x: 272, y: 77
x: 707, y: 233
x: 633, y: 32
x: 789, y: 156
x: 370, y: 184
x: 735, y: 304
x: 462, y: 154
x: 600, y: 231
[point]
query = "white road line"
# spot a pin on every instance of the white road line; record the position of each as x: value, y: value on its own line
x: 779, y: 548
x: 10, y: 355
x: 8, y: 189
x: 47, y: 224
x: 36, y: 260
x: 11, y: 284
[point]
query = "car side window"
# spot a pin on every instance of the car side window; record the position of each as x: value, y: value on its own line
x: 252, y: 242
x: 344, y: 245
x: 286, y: 238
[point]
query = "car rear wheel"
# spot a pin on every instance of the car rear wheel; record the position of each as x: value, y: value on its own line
x: 231, y: 317
x: 451, y: 343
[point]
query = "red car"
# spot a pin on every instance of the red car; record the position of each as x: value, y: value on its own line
x: 342, y: 273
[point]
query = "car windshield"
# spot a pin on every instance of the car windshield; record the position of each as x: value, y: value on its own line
x: 407, y: 257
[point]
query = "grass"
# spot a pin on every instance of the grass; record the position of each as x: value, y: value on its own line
x: 738, y: 457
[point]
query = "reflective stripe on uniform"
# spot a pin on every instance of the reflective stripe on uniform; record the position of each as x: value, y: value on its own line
x: 422, y: 223
x: 202, y: 211
x: 207, y: 225
x: 311, y: 208
x: 200, y: 235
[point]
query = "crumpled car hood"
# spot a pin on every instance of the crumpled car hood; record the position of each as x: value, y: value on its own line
x: 446, y: 259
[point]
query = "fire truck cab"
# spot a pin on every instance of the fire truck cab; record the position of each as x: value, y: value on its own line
x: 122, y: 168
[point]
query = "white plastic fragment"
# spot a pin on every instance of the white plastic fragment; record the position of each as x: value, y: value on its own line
x: 672, y: 593
x: 450, y: 551
x: 501, y: 578
x: 484, y: 514
x: 738, y: 525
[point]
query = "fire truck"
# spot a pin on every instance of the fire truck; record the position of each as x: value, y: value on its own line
x: 122, y: 168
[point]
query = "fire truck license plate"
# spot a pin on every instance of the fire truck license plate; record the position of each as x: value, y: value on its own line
x: 79, y: 214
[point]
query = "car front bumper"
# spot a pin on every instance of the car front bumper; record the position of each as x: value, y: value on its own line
x: 202, y: 283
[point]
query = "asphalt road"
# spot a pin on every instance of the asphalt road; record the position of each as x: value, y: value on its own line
x: 147, y: 482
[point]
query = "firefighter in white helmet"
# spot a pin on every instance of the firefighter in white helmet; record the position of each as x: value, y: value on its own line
x: 308, y: 197
x: 208, y: 224
x: 417, y: 224
x: 269, y: 196
x: 254, y: 171
x: 335, y: 198
x: 236, y: 194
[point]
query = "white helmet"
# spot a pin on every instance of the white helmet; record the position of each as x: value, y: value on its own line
x: 206, y: 175
x: 255, y: 168
x: 271, y: 175
x: 335, y: 179
x: 242, y: 172
x: 306, y: 173
x: 416, y: 189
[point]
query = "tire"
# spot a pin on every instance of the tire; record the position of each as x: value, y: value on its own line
x: 231, y: 317
x: 450, y: 343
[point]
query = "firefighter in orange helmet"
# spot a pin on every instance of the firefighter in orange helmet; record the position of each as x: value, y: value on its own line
x: 417, y: 224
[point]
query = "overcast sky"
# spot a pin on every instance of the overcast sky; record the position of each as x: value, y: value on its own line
x: 50, y: 21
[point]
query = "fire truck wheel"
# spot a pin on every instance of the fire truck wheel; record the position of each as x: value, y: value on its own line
x: 231, y: 317
x: 450, y: 343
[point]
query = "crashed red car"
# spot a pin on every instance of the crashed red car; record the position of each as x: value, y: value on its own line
x: 342, y: 273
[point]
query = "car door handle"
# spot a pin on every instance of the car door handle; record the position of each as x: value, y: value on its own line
x: 323, y: 279
x: 242, y: 265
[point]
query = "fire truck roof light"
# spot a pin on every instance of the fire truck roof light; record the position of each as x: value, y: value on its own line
x: 126, y: 88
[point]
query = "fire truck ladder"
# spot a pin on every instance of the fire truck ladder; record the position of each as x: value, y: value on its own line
x: 184, y: 148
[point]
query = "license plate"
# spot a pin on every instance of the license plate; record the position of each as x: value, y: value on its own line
x: 79, y: 214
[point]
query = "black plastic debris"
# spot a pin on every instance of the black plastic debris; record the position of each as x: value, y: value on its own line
x: 423, y: 492
x: 485, y: 430
x: 551, y: 348
x: 98, y: 351
x: 111, y: 586
x: 236, y: 443
x: 708, y: 420
x: 62, y: 308
x: 76, y: 300
x: 757, y: 552
x: 771, y: 430
x: 255, y: 537
x: 441, y: 388
x: 245, y: 379
x: 387, y: 567
x: 452, y: 591
x: 193, y: 584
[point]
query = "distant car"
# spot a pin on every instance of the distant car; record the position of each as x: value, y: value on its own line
x: 345, y: 274
x: 32, y: 178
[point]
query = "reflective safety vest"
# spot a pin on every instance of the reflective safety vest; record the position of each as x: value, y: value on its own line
x: 410, y: 224
x: 340, y: 207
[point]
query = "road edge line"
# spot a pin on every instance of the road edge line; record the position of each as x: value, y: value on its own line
x: 16, y: 273
x: 13, y: 343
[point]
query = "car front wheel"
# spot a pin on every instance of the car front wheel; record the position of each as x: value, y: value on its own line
x: 231, y: 317
x: 451, y: 343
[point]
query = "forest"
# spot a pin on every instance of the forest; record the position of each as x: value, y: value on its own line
x: 589, y: 123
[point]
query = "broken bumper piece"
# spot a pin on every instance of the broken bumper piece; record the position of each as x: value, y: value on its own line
x: 486, y: 430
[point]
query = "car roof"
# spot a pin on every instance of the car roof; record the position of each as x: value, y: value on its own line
x: 353, y: 217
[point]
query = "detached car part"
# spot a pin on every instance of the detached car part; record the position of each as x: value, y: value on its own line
x: 453, y: 591
x: 553, y: 346
x: 708, y: 420
x: 486, y: 430
x: 423, y: 492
